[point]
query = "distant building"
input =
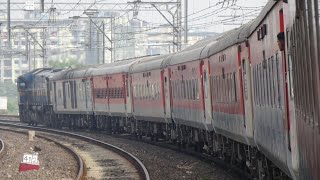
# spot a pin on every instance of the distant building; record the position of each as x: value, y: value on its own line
x: 75, y: 40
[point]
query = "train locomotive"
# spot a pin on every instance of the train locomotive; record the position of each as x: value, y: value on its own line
x: 34, y: 100
x: 235, y: 96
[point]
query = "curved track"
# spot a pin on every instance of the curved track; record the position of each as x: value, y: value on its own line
x: 81, y: 166
x: 141, y: 171
x: 2, y: 148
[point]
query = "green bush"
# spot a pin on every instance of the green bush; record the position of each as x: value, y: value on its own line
x: 9, y: 89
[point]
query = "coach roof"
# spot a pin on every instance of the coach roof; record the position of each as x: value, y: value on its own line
x: 149, y: 64
x: 115, y: 67
x: 209, y: 46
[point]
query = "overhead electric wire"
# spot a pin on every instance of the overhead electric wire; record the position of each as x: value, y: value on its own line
x: 71, y: 8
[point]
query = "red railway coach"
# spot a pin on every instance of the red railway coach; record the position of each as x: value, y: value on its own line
x: 149, y: 95
x: 303, y: 52
x: 111, y: 93
x: 270, y: 106
x: 188, y: 99
x: 227, y: 87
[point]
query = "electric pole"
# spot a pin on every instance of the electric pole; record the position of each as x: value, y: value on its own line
x: 174, y: 9
x: 8, y: 24
x: 103, y: 44
x: 42, y: 6
x: 186, y: 22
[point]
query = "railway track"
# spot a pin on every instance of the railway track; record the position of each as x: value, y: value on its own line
x: 102, y: 159
x: 81, y: 165
x: 2, y: 148
x: 189, y: 151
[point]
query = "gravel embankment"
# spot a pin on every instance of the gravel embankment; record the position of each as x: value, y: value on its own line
x: 167, y: 164
x: 55, y: 162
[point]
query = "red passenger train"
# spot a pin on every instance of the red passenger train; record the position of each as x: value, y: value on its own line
x: 236, y: 96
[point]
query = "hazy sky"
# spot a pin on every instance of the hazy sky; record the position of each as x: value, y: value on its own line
x: 203, y: 15
x: 242, y: 10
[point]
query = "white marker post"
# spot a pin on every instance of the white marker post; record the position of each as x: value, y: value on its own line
x: 29, y: 162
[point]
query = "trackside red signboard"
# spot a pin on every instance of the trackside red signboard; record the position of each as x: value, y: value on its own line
x: 29, y: 162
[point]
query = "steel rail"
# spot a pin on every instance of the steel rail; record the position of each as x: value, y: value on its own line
x: 142, y: 170
x: 82, y: 168
x: 2, y: 148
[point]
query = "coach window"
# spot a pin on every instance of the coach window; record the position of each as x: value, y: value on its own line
x: 180, y: 89
x: 137, y: 91
x: 197, y: 89
x: 290, y: 71
x: 215, y: 86
x: 234, y: 87
x: 145, y: 92
x: 153, y: 90
x: 278, y: 81
x: 127, y: 87
x: 230, y: 84
x: 223, y: 80
x: 158, y: 91
x: 255, y: 76
x: 184, y: 89
x: 255, y: 84
x: 264, y: 88
x: 186, y: 86
x: 225, y: 91
x: 149, y: 91
x: 141, y: 92
x: 267, y: 82
x: 271, y: 82
x: 262, y: 84
x: 258, y: 84
x: 218, y: 96
x: 190, y: 89
x: 175, y: 89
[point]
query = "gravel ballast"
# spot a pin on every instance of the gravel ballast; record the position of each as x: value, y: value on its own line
x: 167, y: 164
x: 55, y: 162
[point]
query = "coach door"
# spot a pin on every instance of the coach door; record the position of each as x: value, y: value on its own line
x: 55, y: 95
x: 207, y: 94
x: 246, y: 76
x: 167, y: 93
